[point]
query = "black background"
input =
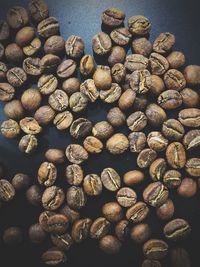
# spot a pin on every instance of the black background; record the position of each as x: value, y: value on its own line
x: 81, y: 17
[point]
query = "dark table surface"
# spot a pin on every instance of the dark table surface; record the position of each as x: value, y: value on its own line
x: 82, y: 18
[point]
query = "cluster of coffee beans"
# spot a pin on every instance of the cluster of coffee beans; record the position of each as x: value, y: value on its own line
x: 152, y: 93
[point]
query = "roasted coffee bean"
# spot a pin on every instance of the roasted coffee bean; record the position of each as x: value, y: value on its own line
x: 102, y: 78
x: 126, y: 197
x: 117, y: 144
x: 24, y: 36
x: 112, y: 211
x: 13, y: 236
x: 34, y: 195
x: 118, y: 72
x: 63, y: 242
x: 93, y: 145
x: 137, y: 141
x: 10, y: 128
x: 76, y: 198
x: 180, y: 257
x: 110, y: 244
x: 157, y: 85
x: 53, y: 256
x: 71, y: 85
x: 101, y: 43
x: 102, y: 130
x: 7, y: 92
x: 78, y: 102
x: 177, y: 229
x: 28, y: 144
x: 136, y: 62
x: 47, y: 84
x: 190, y: 98
x: 89, y: 89
x: 80, y: 229
x: 14, y: 53
x: 52, y: 198
x: 155, y: 194
x: 117, y: 55
x: 87, y: 65
x: 146, y: 157
x: 122, y: 230
x: 191, y: 139
x: 66, y: 68
x: 30, y: 126
x: 140, y: 81
x: 190, y: 117
x: 49, y: 63
x: 133, y: 177
x: 140, y: 103
x: 2, y: 50
x: 121, y: 36
x: 38, y: 10
x: 156, y: 141
x: 63, y: 120
x: 76, y: 153
x: 151, y: 263
x: 4, y: 30
x: 74, y: 174
x: 173, y: 129
x: 14, y: 109
x: 58, y: 224
x: 137, y: 213
x: 193, y: 167
x: 110, y: 179
x: 140, y: 233
x: 164, y: 42
x: 17, y: 17
x: 21, y: 181
x: 44, y: 115
x: 157, y: 169
x: 16, y: 77
x: 176, y: 59
x: 155, y: 249
x: 172, y: 178
x: 36, y: 234
x: 74, y: 46
x: 33, y: 47
x: 71, y: 214
x: 191, y: 74
x: 170, y: 99
x: 127, y: 99
x: 47, y: 174
x: 175, y: 155
x: 158, y: 64
x: 54, y: 45
x: 116, y: 117
x: 155, y: 115
x: 43, y: 219
x: 113, y: 17
x: 111, y: 95
x: 99, y: 228
x: 58, y: 100
x: 187, y: 188
x: 31, y: 99
x: 126, y: 82
x: 142, y: 46
x: 32, y: 66
x: 48, y: 27
x: 80, y: 128
x: 7, y: 191
x: 174, y: 80
x: 166, y: 210
x: 139, y: 25
x: 92, y: 185
x: 55, y: 155
x: 3, y: 70
x: 137, y: 121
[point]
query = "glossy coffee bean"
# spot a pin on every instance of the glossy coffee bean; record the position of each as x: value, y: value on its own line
x: 174, y: 80
x: 155, y: 249
x: 53, y: 256
x: 173, y: 129
x: 146, y: 157
x: 76, y: 198
x: 110, y: 179
x: 191, y: 139
x: 138, y: 212
x: 76, y: 153
x: 126, y: 197
x: 133, y: 177
x: 187, y: 188
x: 43, y: 219
x: 127, y: 99
x: 7, y: 92
x: 137, y: 141
x: 110, y: 244
x: 99, y: 228
x: 92, y: 185
x: 58, y: 224
x: 113, y: 17
x: 172, y: 178
x: 112, y: 211
x: 80, y: 128
x: 175, y: 155
x: 155, y: 194
x: 102, y: 78
x: 166, y: 210
x: 140, y: 233
x: 139, y: 25
x: 140, y: 81
x: 122, y: 230
x: 52, y: 198
x: 87, y: 65
x: 80, y: 229
x: 158, y: 64
x: 164, y: 42
x: 63, y: 241
x: 7, y: 191
x: 74, y: 174
x: 48, y: 27
x: 177, y: 229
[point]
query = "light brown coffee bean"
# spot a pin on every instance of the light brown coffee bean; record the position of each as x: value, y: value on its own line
x: 174, y: 80
x: 172, y: 178
x: 146, y: 157
x: 110, y: 179
x: 158, y: 64
x: 175, y: 155
x: 126, y: 197
x: 190, y: 117
x: 173, y: 129
x: 137, y: 213
x: 92, y: 185
x: 155, y: 194
x: 193, y: 167
x: 137, y: 141
x: 139, y: 25
x: 133, y: 177
x: 157, y: 169
x: 76, y: 153
x: 156, y: 141
x: 164, y: 42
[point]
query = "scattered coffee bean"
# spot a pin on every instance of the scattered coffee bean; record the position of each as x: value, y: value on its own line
x: 93, y: 145
x: 121, y: 36
x: 21, y: 181
x: 166, y: 210
x: 28, y: 144
x: 155, y: 249
x: 101, y: 43
x: 99, y: 228
x: 137, y: 213
x: 74, y: 174
x: 177, y: 229
x: 172, y: 178
x: 146, y: 157
x: 122, y: 230
x: 191, y: 74
x: 112, y: 211
x: 36, y: 234
x: 134, y: 177
x: 155, y: 194
x: 76, y: 153
x: 139, y: 25
x: 164, y: 42
x: 126, y: 197
x: 52, y: 198
x: 80, y: 229
x: 7, y: 191
x: 92, y: 185
x: 48, y: 27
x: 140, y: 233
x: 110, y: 179
x: 187, y: 188
x: 13, y: 236
x: 76, y: 198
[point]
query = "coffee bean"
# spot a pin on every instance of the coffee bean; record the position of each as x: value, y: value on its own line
x: 192, y: 167
x: 155, y: 249
x: 58, y: 100
x: 175, y: 155
x: 63, y: 242
x: 71, y: 214
x: 24, y: 36
x: 191, y: 139
x: 142, y: 46
x: 71, y: 85
x: 54, y: 45
x: 157, y: 169
x: 92, y: 185
x: 7, y: 191
x: 4, y: 30
x: 118, y: 72
x: 78, y: 102
x: 133, y: 177
x: 190, y: 98
x: 10, y: 128
x: 3, y: 70
x: 36, y: 234
x: 112, y: 211
x: 44, y: 115
x: 74, y: 174
x: 172, y: 178
x: 113, y: 17
x: 14, y: 54
x: 16, y: 77
x: 74, y: 46
x: 76, y: 154
x: 137, y: 213
x: 93, y: 145
x: 47, y: 174
x: 43, y: 219
x: 140, y: 233
x: 52, y: 198
x: 139, y: 25
x: 156, y: 141
x: 31, y: 99
x: 121, y: 36
x: 155, y: 194
x: 102, y: 130
x: 158, y: 64
x: 117, y: 55
x: 32, y: 66
x: 33, y: 47
x: 187, y: 188
x: 126, y: 197
x: 28, y: 144
x: 55, y: 155
x: 66, y: 68
x: 146, y: 157
x: 34, y: 195
x: 180, y: 257
x: 136, y: 121
x: 48, y: 27
x: 177, y: 229
x: 166, y: 210
x: 122, y: 230
x: 13, y: 236
x: 89, y: 89
x: 157, y: 85
x: 151, y: 263
x: 111, y: 95
x: 49, y: 63
x: 170, y: 99
x: 164, y: 42
x: 174, y: 80
x: 63, y: 120
x: 38, y: 10
x: 140, y: 81
x: 117, y: 144
x: 99, y: 228
x: 47, y: 84
x: 101, y: 43
x: 110, y: 244
x: 136, y: 62
x: 102, y: 78
x: 116, y: 117
x: 21, y: 181
x: 80, y: 128
x: 30, y: 126
x: 58, y: 224
x: 155, y: 115
x: 17, y: 17
x: 14, y: 109
x: 173, y: 129
x: 176, y: 59
x: 53, y: 256
x: 110, y: 179
x: 140, y: 103
x: 80, y: 229
x: 87, y: 65
x: 76, y: 198
x: 191, y: 74
x: 190, y: 117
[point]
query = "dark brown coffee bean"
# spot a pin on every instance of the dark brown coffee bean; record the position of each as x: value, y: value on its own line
x: 49, y: 63
x: 117, y: 55
x: 3, y: 70
x: 99, y: 228
x: 101, y: 43
x: 74, y: 46
x: 34, y: 195
x: 112, y: 211
x: 187, y: 188
x: 63, y: 242
x: 191, y: 74
x: 102, y: 130
x: 78, y: 102
x: 118, y: 72
x: 155, y: 115
x: 157, y: 85
x: 142, y: 46
x: 139, y: 25
x: 31, y: 99
x: 166, y: 210
x: 174, y: 80
x: 138, y: 212
x: 76, y: 198
x: 140, y: 233
x: 191, y: 139
x: 16, y: 76
x: 53, y: 256
x: 111, y: 95
x: 190, y: 117
x: 21, y: 181
x: 140, y: 81
x: 155, y: 194
x: 177, y: 229
x: 80, y: 229
x: 136, y: 62
x: 170, y: 99
x: 47, y: 174
x: 133, y: 177
x: 58, y: 100
x: 14, y: 53
x: 173, y: 129
x: 47, y: 84
x: 126, y: 197
x: 190, y: 98
x: 32, y: 66
x: 30, y: 126
x: 156, y: 141
x: 48, y: 27
x: 117, y: 144
x: 92, y: 185
x: 121, y: 36
x: 193, y: 167
x: 33, y: 47
x: 157, y: 169
x: 113, y: 17
x: 180, y: 257
x: 7, y: 92
x: 4, y: 30
x: 146, y: 157
x: 28, y: 144
x: 110, y: 244
x: 158, y: 64
x: 122, y: 230
x: 151, y: 263
x: 164, y: 42
x: 71, y: 214
x: 76, y: 153
x: 176, y: 59
x: 17, y: 17
x: 155, y: 249
x: 87, y: 65
x: 74, y: 174
x: 54, y: 45
x: 175, y: 155
x: 38, y: 9
x: 7, y: 191
x: 172, y: 178
x: 52, y: 198
x: 93, y: 145
x: 58, y: 224
x: 89, y: 89
x: 13, y: 236
x: 36, y: 234
x: 136, y: 121
x: 66, y: 68
x: 10, y: 128
x: 44, y: 115
x: 110, y: 179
